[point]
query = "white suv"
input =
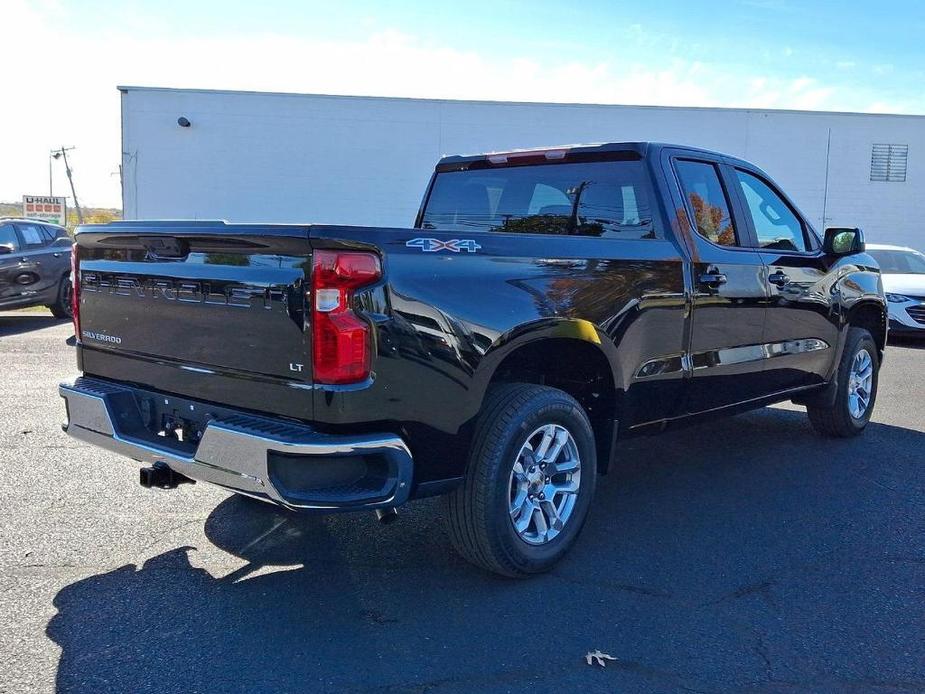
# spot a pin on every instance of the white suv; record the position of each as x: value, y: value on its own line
x: 903, y: 272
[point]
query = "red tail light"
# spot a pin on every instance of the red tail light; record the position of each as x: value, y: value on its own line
x: 75, y: 290
x: 340, y: 339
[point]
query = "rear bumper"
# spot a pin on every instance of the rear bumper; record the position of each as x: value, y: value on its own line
x: 285, y: 463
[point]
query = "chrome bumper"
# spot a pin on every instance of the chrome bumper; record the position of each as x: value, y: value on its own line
x: 235, y: 450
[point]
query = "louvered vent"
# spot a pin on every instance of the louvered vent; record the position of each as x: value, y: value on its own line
x: 888, y: 163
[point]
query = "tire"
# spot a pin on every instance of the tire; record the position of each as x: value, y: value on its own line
x: 62, y: 309
x: 499, y: 474
x: 839, y: 418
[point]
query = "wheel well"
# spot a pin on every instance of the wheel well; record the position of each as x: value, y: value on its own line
x: 581, y: 370
x: 872, y: 318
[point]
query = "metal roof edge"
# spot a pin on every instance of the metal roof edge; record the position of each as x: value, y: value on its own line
x: 551, y: 104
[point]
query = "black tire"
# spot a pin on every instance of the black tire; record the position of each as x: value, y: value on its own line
x: 835, y: 419
x: 478, y: 511
x: 62, y: 309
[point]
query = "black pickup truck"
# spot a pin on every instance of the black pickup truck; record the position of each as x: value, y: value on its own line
x: 546, y: 304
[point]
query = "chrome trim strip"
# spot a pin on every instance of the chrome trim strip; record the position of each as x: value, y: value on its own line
x: 674, y: 363
x: 197, y: 370
x: 748, y: 353
x: 230, y: 453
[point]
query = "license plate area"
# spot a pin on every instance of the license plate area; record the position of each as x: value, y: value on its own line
x: 172, y: 422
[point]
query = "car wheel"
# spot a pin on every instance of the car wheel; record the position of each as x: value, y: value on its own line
x: 529, y: 483
x: 856, y: 390
x: 62, y: 308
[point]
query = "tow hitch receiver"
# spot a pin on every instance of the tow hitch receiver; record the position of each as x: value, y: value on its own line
x: 161, y: 476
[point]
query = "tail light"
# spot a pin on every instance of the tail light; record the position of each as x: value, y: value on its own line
x: 75, y: 289
x: 340, y: 339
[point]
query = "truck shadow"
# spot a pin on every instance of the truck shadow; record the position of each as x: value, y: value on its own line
x: 719, y: 563
x: 909, y: 342
x: 19, y: 323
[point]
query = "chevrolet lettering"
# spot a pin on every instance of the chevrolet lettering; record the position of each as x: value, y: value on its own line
x: 182, y: 290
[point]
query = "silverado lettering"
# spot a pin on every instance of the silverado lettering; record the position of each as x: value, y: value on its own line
x: 544, y: 306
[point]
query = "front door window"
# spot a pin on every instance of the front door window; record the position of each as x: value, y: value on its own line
x: 776, y: 225
x: 8, y: 237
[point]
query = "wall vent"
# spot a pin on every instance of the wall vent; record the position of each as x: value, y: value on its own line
x: 888, y: 163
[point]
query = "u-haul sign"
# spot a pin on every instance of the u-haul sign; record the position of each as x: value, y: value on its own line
x: 45, y: 207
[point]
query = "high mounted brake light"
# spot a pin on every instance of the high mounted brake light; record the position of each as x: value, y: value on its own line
x: 532, y: 154
x: 341, y: 349
x: 75, y: 290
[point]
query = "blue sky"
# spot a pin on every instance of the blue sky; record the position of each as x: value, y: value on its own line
x: 849, y: 56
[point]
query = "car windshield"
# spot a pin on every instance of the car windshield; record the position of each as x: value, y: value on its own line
x: 900, y: 262
x: 604, y: 198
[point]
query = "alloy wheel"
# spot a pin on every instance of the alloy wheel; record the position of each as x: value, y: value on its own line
x: 860, y: 382
x: 544, y: 484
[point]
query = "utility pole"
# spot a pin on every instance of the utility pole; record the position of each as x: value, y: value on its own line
x: 63, y: 153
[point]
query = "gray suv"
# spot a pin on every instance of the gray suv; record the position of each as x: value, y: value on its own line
x: 35, y: 266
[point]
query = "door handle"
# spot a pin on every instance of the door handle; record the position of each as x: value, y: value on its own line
x: 713, y: 278
x: 779, y: 278
x: 57, y: 255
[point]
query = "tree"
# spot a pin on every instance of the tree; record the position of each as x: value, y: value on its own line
x: 712, y: 221
x: 93, y: 215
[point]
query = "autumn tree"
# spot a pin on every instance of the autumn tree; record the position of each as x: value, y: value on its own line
x: 712, y: 221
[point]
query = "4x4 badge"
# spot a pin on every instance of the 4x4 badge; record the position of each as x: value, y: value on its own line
x: 434, y: 245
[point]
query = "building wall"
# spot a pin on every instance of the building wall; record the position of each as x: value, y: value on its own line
x: 252, y: 157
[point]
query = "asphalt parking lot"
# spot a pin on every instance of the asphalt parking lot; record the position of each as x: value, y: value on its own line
x: 743, y: 555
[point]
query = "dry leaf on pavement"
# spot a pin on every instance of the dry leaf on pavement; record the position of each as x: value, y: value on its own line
x: 597, y: 657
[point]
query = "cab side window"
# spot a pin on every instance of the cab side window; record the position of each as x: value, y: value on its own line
x: 8, y: 237
x: 776, y: 225
x: 31, y: 236
x: 707, y: 201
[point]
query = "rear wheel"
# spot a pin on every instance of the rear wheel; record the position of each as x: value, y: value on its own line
x: 856, y: 390
x: 531, y: 476
x: 62, y: 308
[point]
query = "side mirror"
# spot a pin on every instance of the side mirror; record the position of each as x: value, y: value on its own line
x: 5, y: 249
x: 843, y: 241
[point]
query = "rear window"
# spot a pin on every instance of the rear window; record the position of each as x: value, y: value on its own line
x: 899, y: 262
x: 606, y: 199
x: 49, y: 234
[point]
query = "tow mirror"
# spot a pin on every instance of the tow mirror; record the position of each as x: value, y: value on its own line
x: 843, y: 241
x: 5, y: 249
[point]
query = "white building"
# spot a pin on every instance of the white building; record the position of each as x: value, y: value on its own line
x: 261, y: 157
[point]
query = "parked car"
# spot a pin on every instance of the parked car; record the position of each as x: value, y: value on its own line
x: 35, y: 266
x: 545, y: 305
x: 904, y: 282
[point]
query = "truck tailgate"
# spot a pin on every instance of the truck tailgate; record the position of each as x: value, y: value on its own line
x: 199, y: 309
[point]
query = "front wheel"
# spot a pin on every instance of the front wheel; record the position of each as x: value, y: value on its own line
x: 856, y: 390
x: 529, y: 483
